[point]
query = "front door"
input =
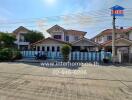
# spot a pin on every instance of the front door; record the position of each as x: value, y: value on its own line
x: 125, y: 57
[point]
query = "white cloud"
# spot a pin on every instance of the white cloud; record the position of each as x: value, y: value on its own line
x: 42, y: 25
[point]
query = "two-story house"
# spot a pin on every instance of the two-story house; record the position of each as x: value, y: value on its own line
x: 61, y: 36
x: 19, y: 33
x: 123, y: 40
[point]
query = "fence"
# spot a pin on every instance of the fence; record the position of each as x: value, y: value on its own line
x: 126, y: 57
x: 74, y: 56
x: 90, y: 56
x: 50, y: 55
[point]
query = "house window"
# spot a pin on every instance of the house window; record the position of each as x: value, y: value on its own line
x: 109, y: 37
x: 100, y: 39
x: 57, y: 36
x: 76, y: 38
x: 67, y: 38
x: 58, y: 48
x: 43, y: 48
x: 48, y: 48
x: 56, y: 29
x: 22, y: 38
x: 34, y: 48
x: 53, y: 48
x: 38, y: 48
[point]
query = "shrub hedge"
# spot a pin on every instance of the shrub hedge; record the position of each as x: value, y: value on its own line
x: 9, y: 54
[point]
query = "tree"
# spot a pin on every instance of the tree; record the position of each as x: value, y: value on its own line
x: 65, y: 52
x: 6, y: 40
x: 33, y: 36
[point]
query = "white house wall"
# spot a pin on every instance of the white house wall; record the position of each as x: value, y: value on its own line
x: 50, y: 44
x: 120, y: 43
x: 130, y: 35
x: 72, y: 37
x: 105, y: 38
x: 101, y: 39
x: 131, y: 49
x: 18, y: 36
x: 63, y: 35
x: 83, y: 43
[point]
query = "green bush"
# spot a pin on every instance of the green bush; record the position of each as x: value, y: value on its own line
x: 9, y: 54
x: 65, y: 52
x: 17, y: 55
x: 5, y: 54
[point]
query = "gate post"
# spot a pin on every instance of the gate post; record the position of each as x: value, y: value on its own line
x: 70, y: 56
x: 102, y: 55
x: 120, y: 57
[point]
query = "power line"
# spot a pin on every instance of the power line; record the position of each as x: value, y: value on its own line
x: 98, y: 16
x: 102, y: 12
x: 94, y: 13
x: 67, y: 23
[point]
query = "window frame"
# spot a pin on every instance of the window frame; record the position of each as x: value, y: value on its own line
x: 48, y: 48
x: 53, y: 49
x: 43, y: 48
x: 58, y: 37
x: 58, y: 48
x: 67, y: 38
x: 76, y: 38
x: 109, y: 37
x: 38, y: 48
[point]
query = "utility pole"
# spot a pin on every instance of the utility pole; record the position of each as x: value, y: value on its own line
x: 113, y: 40
x: 115, y: 11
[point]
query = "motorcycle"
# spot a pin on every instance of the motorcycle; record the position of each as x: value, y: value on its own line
x: 40, y: 56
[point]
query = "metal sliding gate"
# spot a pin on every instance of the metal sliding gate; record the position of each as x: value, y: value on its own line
x: 90, y: 56
x: 74, y: 56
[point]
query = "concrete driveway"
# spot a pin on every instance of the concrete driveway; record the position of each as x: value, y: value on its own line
x: 19, y: 81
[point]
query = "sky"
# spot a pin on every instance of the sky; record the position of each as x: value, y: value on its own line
x: 92, y: 16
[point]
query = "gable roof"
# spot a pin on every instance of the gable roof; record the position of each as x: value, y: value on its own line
x: 55, y: 27
x: 94, y: 43
x: 40, y: 41
x: 20, y: 28
x: 67, y: 31
x: 75, y: 32
x: 118, y: 39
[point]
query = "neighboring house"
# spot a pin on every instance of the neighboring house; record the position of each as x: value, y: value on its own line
x: 61, y: 36
x: 123, y: 40
x: 20, y: 40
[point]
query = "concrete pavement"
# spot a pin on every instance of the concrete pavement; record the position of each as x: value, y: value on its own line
x: 19, y: 81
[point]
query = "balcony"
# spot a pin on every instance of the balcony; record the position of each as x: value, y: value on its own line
x: 21, y: 43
